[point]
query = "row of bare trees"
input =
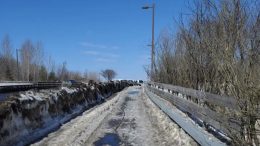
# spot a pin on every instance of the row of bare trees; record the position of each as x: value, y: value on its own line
x: 24, y: 64
x: 29, y: 63
x: 217, y: 50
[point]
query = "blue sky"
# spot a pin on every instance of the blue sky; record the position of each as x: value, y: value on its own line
x: 90, y: 34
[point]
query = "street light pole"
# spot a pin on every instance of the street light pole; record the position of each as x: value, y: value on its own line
x: 152, y: 50
x: 17, y: 63
x: 153, y: 53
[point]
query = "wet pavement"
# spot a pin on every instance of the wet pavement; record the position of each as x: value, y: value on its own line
x: 111, y: 139
x: 3, y: 96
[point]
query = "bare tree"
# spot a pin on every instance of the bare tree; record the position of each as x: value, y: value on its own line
x: 75, y: 75
x: 7, y: 50
x: 7, y: 64
x: 93, y: 76
x: 108, y: 74
x: 27, y: 52
x: 85, y: 75
x: 217, y: 50
x: 62, y: 72
x: 43, y: 74
x: 37, y: 61
x: 33, y: 67
x: 50, y: 66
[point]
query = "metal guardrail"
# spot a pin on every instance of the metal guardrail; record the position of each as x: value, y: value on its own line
x: 200, y: 95
x: 15, y: 82
x: 21, y: 86
x: 216, y: 113
x: 198, y: 134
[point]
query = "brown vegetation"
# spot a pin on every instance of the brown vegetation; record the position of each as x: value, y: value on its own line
x: 217, y: 50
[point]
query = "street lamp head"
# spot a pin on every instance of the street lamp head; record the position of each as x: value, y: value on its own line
x: 145, y: 7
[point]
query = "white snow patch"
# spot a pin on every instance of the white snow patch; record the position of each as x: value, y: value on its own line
x: 69, y: 90
x: 24, y: 97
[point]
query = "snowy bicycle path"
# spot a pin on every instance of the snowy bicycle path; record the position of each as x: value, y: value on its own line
x: 129, y: 118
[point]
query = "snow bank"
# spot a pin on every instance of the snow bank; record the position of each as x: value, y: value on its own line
x: 78, y: 130
x: 29, y: 115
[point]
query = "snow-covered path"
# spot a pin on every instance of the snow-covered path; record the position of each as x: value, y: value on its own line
x: 129, y: 118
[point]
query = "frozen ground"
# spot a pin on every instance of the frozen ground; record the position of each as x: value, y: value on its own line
x: 129, y: 118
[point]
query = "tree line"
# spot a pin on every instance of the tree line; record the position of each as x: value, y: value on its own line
x: 29, y: 63
x: 216, y: 49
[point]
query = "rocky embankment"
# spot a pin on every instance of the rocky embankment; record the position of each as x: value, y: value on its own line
x: 27, y: 116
